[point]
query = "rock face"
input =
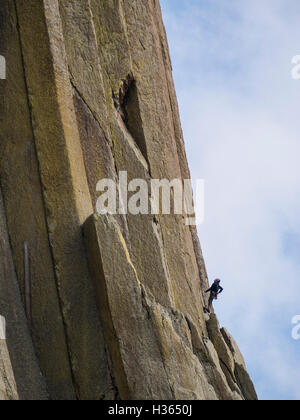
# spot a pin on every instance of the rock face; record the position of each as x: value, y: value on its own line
x: 114, y: 308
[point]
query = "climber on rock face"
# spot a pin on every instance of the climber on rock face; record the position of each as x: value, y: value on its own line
x: 214, y: 290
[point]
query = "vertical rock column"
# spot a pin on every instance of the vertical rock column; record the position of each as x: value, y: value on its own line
x: 26, y: 216
x: 65, y: 189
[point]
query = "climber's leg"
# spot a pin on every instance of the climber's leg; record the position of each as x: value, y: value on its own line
x: 210, y: 301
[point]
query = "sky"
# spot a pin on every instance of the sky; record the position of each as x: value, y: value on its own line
x: 232, y: 63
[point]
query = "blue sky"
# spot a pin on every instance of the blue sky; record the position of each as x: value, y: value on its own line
x: 240, y: 115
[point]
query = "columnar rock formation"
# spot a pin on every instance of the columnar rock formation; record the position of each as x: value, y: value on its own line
x: 113, y: 303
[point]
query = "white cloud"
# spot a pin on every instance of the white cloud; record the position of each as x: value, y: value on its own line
x: 239, y: 106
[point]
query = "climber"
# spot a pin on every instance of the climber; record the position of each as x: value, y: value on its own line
x: 214, y: 290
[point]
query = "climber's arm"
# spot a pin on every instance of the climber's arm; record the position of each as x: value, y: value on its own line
x: 208, y: 290
x: 220, y: 289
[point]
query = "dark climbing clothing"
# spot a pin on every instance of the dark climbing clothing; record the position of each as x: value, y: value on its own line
x: 215, y: 289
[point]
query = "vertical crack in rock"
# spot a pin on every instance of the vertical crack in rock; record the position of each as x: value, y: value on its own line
x: 127, y: 104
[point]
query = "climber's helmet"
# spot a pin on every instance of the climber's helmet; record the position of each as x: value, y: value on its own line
x: 218, y: 281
